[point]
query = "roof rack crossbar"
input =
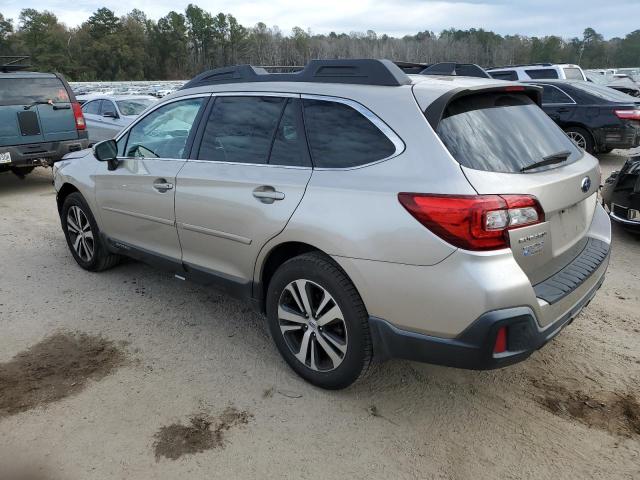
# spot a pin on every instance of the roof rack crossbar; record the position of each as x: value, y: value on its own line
x: 459, y: 69
x: 9, y: 63
x: 358, y: 71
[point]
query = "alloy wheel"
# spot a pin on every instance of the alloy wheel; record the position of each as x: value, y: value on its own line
x: 312, y: 325
x: 80, y: 233
x: 578, y: 139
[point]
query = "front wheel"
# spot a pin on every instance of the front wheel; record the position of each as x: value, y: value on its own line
x: 318, y: 321
x: 82, y: 234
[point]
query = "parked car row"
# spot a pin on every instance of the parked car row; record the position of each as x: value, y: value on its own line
x: 352, y: 203
x: 107, y: 115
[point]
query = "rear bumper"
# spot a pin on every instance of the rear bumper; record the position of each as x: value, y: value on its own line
x: 473, y: 348
x: 624, y: 137
x: 44, y: 153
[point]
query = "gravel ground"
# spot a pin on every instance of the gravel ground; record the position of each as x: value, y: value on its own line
x: 130, y: 374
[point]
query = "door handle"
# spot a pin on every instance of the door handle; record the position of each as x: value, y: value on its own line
x: 162, y: 186
x: 267, y: 194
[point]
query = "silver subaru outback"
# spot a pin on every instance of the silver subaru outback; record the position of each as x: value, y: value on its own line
x: 368, y: 213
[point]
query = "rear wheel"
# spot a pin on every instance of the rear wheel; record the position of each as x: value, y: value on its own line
x: 318, y: 321
x: 581, y: 138
x: 83, y: 236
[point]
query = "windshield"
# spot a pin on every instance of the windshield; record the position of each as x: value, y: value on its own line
x: 500, y: 132
x: 24, y: 91
x: 605, y: 93
x: 133, y: 107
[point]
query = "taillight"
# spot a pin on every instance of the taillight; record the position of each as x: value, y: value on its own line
x: 473, y: 222
x: 77, y: 113
x: 627, y: 114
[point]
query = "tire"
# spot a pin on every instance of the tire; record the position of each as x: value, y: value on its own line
x: 87, y: 250
x: 345, y: 333
x: 582, y: 138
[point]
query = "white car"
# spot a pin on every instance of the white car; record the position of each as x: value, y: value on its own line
x: 106, y: 116
x: 538, y: 71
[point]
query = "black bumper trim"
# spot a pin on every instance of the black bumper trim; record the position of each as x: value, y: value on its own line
x: 562, y: 283
x: 473, y: 348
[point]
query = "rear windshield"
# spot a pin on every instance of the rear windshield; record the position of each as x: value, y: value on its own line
x: 501, y: 132
x: 573, y: 74
x: 24, y: 91
x: 604, y: 93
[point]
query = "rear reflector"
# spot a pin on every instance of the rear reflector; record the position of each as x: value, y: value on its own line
x: 628, y: 114
x: 77, y: 113
x: 473, y: 222
x: 501, y: 341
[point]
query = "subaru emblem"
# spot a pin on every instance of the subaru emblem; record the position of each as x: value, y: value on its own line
x: 586, y: 184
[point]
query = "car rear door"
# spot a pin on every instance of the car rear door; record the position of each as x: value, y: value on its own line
x: 497, y: 137
x: 136, y: 200
x: 246, y: 180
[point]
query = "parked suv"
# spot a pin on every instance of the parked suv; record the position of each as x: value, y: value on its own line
x: 367, y: 212
x: 537, y: 71
x: 40, y: 121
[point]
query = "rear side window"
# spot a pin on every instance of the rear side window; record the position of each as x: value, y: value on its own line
x: 542, y: 73
x: 241, y: 129
x: 500, y: 132
x: 505, y: 75
x: 553, y: 95
x: 573, y: 74
x: 341, y: 137
x: 24, y: 91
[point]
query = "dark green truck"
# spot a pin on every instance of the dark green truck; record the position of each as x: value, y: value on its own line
x: 40, y: 120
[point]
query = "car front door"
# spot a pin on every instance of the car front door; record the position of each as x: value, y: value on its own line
x: 110, y: 122
x: 244, y: 183
x: 136, y: 200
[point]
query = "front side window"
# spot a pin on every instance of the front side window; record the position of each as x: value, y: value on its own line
x: 108, y: 108
x: 92, y: 108
x: 501, y: 132
x: 241, y: 129
x: 341, y: 137
x: 163, y: 133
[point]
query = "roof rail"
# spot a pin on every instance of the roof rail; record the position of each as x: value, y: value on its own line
x: 459, y: 69
x: 358, y: 71
x: 523, y: 65
x: 9, y: 63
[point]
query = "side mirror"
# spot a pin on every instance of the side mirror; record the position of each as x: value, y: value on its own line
x: 110, y: 115
x: 107, y: 151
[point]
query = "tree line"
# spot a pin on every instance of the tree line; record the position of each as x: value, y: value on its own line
x: 179, y: 45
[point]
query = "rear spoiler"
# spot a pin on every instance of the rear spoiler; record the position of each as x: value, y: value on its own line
x: 435, y: 110
x: 11, y: 63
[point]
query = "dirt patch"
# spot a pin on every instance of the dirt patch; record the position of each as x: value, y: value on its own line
x: 176, y: 440
x: 53, y: 369
x: 614, y: 412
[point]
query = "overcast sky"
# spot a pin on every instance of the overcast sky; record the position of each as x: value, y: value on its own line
x: 567, y: 18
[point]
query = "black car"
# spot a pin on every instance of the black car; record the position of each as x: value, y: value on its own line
x: 621, y: 194
x: 596, y: 118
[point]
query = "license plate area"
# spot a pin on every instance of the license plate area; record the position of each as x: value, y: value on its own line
x: 5, y: 157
